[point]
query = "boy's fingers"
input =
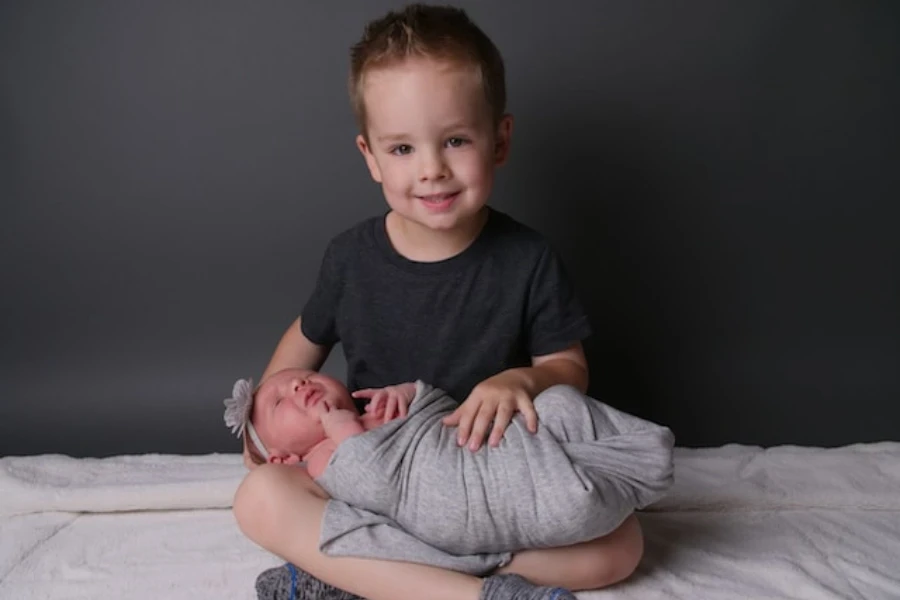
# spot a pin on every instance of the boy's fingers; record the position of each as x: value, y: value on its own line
x: 480, y: 427
x: 366, y: 393
x: 531, y: 418
x: 501, y: 422
x: 466, y: 417
x: 453, y: 418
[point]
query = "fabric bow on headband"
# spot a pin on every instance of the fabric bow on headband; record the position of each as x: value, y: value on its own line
x: 237, y: 413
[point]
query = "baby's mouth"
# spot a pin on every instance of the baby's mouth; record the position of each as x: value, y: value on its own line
x: 312, y: 396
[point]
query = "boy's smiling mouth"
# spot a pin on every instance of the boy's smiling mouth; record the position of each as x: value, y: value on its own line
x: 441, y: 200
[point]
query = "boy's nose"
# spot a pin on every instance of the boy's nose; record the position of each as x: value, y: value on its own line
x: 432, y: 167
x: 296, y: 384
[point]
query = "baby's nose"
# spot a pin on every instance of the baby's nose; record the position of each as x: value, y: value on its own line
x: 296, y: 384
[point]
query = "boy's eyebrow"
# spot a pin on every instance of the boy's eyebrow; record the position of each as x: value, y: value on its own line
x: 399, y: 137
x: 393, y: 137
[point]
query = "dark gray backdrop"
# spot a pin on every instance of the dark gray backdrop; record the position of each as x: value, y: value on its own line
x: 720, y: 177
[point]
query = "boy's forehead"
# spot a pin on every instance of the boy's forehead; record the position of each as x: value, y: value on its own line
x: 425, y: 71
x: 448, y: 93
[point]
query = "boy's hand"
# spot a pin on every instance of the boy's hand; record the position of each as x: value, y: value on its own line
x: 495, y: 399
x: 391, y: 401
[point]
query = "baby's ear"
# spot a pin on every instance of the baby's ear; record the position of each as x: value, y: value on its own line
x: 283, y: 458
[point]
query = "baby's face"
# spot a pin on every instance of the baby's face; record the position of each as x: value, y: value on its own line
x: 287, y: 409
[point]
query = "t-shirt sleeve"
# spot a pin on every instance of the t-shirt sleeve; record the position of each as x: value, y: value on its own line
x: 318, y: 320
x: 555, y: 316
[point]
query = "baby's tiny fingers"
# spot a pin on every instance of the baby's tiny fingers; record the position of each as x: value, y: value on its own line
x: 390, y: 408
x: 375, y: 404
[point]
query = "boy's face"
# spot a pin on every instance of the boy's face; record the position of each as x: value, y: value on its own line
x: 432, y: 143
x: 287, y: 409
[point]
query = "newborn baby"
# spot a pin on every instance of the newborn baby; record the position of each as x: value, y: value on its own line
x: 406, y: 488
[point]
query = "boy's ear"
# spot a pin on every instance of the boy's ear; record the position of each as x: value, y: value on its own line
x: 502, y: 140
x: 364, y: 149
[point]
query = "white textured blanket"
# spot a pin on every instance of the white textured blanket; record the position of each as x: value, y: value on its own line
x: 741, y: 522
x: 53, y: 482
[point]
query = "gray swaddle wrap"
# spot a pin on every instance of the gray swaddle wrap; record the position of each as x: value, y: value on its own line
x: 407, y: 491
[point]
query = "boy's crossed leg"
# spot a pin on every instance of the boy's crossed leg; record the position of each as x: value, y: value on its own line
x: 281, y: 508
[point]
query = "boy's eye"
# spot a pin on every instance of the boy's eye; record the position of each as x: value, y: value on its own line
x: 401, y: 150
x: 456, y: 142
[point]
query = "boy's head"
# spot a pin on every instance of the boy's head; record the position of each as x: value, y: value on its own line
x: 286, y: 410
x: 419, y: 31
x: 427, y: 87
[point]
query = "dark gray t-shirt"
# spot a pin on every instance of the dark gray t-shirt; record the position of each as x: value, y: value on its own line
x: 453, y: 323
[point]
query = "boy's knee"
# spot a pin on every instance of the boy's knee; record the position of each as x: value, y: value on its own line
x: 633, y: 549
x: 250, y: 498
x: 266, y: 492
x: 617, y: 556
x: 262, y: 494
x: 627, y: 551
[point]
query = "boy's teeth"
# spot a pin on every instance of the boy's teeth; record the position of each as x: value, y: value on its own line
x: 437, y: 197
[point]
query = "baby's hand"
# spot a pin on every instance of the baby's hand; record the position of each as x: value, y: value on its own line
x: 493, y: 400
x: 337, y: 416
x: 340, y: 423
x: 388, y: 402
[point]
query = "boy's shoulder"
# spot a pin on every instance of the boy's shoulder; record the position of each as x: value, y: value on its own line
x: 507, y: 232
x: 502, y: 223
x: 356, y: 237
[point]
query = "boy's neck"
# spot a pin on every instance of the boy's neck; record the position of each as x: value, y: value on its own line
x: 421, y: 244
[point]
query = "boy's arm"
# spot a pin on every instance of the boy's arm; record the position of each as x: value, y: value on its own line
x: 296, y: 351
x: 567, y: 366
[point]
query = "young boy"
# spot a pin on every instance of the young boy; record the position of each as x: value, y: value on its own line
x: 403, y: 487
x: 442, y: 288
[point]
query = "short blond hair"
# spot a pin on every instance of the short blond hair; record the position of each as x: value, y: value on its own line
x: 423, y: 31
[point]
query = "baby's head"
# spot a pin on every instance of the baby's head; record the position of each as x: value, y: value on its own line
x: 440, y: 34
x: 282, y: 416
